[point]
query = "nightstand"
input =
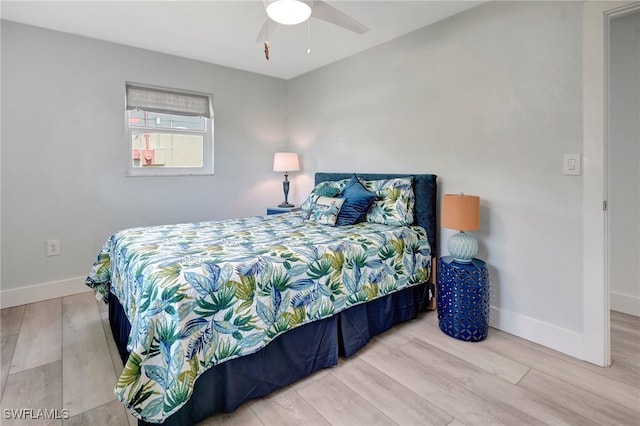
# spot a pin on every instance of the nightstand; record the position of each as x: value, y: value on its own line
x: 279, y: 210
x: 463, y: 299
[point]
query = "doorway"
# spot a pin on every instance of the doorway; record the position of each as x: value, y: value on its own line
x: 623, y: 161
x: 597, y: 17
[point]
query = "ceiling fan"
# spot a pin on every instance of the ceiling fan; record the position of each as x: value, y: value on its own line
x: 293, y: 12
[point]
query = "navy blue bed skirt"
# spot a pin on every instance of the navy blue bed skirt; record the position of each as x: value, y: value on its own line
x: 288, y: 358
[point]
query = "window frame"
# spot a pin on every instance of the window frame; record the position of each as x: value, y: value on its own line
x: 207, y: 168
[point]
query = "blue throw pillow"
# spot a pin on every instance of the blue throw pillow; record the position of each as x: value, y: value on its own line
x: 357, y: 201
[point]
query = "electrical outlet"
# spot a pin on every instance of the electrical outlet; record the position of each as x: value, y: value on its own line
x: 53, y: 247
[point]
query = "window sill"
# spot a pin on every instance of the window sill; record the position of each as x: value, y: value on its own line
x: 168, y: 173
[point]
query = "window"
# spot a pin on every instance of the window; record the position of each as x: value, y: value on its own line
x: 169, y: 131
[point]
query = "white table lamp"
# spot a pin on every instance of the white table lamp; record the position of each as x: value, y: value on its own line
x: 285, y: 162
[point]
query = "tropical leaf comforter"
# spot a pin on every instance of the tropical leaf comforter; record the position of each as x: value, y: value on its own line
x: 198, y: 294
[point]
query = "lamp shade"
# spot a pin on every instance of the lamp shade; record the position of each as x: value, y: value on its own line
x: 285, y: 162
x: 461, y: 212
x: 288, y: 12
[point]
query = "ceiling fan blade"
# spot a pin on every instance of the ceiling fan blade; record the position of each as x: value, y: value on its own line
x: 262, y: 35
x: 323, y: 11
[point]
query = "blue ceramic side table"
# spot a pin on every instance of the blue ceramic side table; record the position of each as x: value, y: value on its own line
x: 463, y: 299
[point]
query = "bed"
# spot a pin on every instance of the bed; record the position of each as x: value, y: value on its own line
x: 207, y: 316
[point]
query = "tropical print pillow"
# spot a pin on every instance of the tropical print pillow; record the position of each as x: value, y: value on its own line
x: 325, y: 210
x: 396, y: 201
x: 324, y: 189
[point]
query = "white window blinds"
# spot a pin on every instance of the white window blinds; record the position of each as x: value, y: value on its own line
x: 168, y: 101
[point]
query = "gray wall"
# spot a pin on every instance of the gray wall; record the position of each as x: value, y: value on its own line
x: 64, y: 149
x: 624, y: 163
x: 489, y: 100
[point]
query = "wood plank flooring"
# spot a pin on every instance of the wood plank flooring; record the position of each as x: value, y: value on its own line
x: 59, y: 354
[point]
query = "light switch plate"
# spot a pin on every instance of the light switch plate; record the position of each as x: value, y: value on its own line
x: 572, y: 164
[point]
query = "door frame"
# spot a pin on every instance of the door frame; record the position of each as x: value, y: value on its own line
x: 597, y: 18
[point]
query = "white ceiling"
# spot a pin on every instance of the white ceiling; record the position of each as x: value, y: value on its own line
x: 224, y: 32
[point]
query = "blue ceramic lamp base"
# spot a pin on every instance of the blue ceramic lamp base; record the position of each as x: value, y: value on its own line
x: 462, y: 247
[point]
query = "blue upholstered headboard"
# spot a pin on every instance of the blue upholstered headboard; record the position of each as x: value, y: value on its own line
x: 425, y: 188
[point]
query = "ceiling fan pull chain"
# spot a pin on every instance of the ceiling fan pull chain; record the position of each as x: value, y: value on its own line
x: 308, y: 36
x: 267, y: 47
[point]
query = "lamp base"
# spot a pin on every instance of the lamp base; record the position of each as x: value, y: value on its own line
x: 285, y: 204
x: 463, y: 247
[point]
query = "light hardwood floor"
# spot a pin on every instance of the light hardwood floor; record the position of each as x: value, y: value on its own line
x: 60, y: 354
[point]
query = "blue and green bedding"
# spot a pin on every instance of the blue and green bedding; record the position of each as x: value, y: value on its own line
x: 199, y: 294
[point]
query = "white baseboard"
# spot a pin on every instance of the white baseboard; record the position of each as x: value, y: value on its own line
x: 39, y: 292
x: 549, y: 335
x: 626, y: 303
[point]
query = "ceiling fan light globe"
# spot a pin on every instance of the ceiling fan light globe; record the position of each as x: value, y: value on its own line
x: 288, y: 12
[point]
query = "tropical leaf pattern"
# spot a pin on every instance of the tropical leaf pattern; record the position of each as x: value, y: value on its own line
x: 323, y: 189
x: 325, y: 210
x: 199, y: 294
x: 395, y: 203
